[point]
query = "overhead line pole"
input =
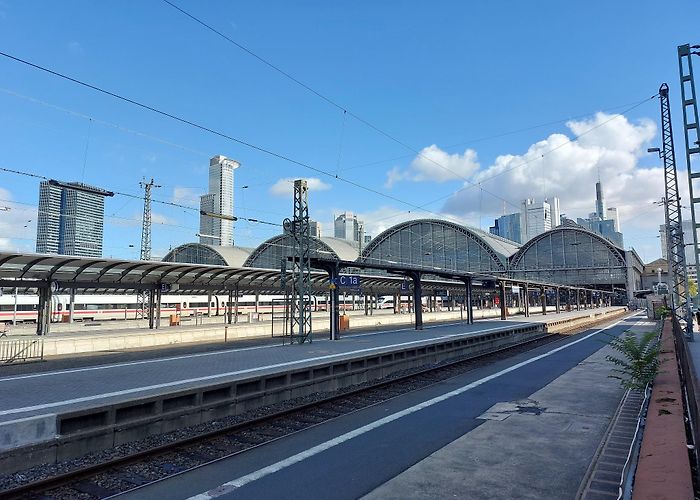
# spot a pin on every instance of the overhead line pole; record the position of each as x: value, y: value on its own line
x: 680, y: 297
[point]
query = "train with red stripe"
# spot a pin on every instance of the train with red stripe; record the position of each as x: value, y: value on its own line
x: 23, y: 308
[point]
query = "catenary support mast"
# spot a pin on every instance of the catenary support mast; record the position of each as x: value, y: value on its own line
x: 676, y: 257
x: 301, y: 265
x: 146, y: 223
x: 692, y: 136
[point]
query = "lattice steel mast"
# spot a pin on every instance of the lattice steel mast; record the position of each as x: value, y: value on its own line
x: 143, y: 309
x: 676, y: 256
x: 690, y: 128
x: 298, y: 228
x: 146, y: 223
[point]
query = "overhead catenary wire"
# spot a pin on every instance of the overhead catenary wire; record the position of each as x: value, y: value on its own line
x: 263, y: 149
x: 206, y: 129
x: 237, y: 140
x: 324, y: 97
x: 138, y: 197
x: 331, y: 101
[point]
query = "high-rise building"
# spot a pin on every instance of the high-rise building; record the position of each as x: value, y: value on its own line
x: 348, y: 227
x: 604, y: 221
x: 600, y: 201
x: 508, y: 226
x: 536, y: 218
x: 70, y: 219
x: 219, y: 201
x: 314, y: 228
x: 611, y: 214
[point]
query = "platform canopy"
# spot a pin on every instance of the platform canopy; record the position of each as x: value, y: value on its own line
x: 97, y: 275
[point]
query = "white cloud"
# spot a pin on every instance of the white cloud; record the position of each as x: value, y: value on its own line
x: 185, y: 196
x: 285, y: 187
x: 569, y: 170
x: 434, y: 164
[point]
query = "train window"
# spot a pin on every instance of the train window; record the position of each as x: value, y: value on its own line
x: 184, y: 305
x: 59, y: 307
x: 213, y: 305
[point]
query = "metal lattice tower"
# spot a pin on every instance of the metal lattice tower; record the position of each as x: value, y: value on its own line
x: 674, y: 223
x: 690, y: 128
x: 143, y: 309
x: 146, y: 223
x: 301, y: 265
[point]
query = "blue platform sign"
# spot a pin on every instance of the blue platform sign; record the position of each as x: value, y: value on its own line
x: 405, y: 286
x: 348, y: 281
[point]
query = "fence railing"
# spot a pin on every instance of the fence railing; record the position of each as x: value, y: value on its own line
x: 691, y: 389
x: 21, y: 350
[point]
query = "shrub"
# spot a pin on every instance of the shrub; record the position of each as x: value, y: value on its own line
x: 640, y: 362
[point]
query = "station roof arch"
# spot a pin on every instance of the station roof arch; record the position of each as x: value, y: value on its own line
x: 270, y: 253
x: 214, y: 255
x: 572, y: 256
x: 441, y: 244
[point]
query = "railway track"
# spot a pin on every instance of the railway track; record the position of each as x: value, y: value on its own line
x: 129, y: 472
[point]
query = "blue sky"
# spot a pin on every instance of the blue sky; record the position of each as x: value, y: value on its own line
x: 454, y: 77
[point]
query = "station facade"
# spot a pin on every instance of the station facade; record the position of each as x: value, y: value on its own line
x: 570, y: 256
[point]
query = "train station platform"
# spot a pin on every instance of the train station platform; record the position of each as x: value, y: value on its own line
x: 526, y: 426
x: 119, y: 335
x: 97, y: 407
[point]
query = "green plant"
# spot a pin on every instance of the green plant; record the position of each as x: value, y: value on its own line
x: 663, y: 311
x: 640, y: 362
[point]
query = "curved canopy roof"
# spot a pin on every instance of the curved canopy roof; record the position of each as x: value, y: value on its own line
x: 570, y: 254
x: 270, y: 253
x: 441, y: 244
x: 200, y: 253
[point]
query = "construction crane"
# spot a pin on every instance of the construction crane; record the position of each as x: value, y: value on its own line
x: 680, y: 300
x: 146, y: 223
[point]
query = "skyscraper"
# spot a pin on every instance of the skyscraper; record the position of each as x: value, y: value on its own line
x: 219, y: 201
x: 536, y: 218
x: 604, y: 221
x: 348, y: 227
x: 508, y: 226
x: 314, y: 228
x: 70, y: 219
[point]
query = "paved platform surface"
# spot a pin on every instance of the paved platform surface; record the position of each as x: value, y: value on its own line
x: 71, y: 389
x: 556, y: 429
x: 431, y: 443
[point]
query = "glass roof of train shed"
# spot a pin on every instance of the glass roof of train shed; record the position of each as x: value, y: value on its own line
x: 29, y: 271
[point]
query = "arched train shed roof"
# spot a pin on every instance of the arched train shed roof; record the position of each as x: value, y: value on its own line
x: 570, y: 255
x: 269, y: 254
x: 441, y: 244
x: 200, y: 253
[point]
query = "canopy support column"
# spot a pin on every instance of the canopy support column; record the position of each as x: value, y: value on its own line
x: 504, y: 306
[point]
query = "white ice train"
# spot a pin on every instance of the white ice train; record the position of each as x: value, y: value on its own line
x: 120, y: 307
x: 387, y: 302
